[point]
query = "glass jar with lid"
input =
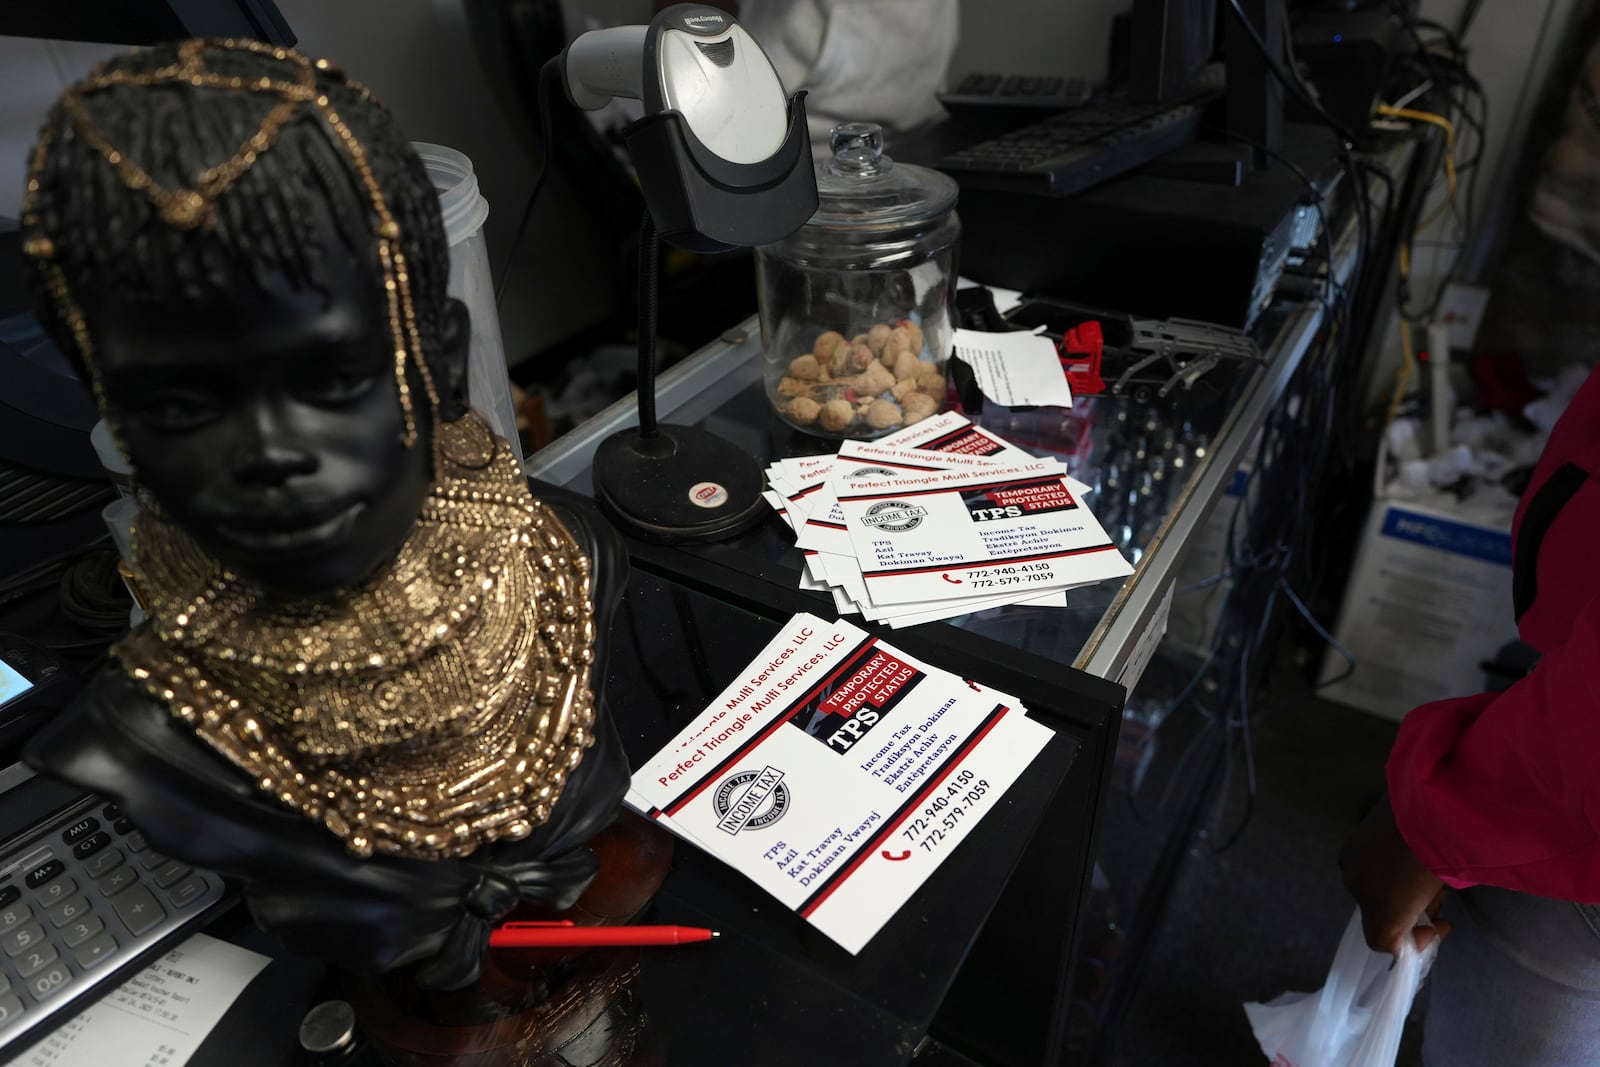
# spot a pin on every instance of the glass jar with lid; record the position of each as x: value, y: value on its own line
x: 855, y: 305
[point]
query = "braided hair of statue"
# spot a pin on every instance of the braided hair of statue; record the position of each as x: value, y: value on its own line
x: 109, y: 238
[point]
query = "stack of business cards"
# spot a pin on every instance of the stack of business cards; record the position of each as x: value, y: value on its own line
x: 838, y: 772
x: 939, y: 520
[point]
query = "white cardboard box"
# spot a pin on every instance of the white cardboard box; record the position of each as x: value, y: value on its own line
x: 1429, y: 600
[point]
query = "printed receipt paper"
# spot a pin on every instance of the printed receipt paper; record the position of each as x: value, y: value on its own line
x: 158, y: 1017
x: 838, y: 772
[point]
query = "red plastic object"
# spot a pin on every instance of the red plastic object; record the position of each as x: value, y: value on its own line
x: 1502, y: 383
x: 1082, y: 348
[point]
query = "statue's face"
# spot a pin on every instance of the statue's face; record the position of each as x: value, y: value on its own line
x: 268, y: 425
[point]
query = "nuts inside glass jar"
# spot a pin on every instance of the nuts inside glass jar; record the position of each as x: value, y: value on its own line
x: 870, y: 383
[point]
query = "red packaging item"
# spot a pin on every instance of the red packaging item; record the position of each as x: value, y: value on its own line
x: 1082, y: 349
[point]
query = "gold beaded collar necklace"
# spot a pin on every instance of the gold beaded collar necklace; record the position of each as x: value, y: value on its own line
x: 442, y: 705
x: 438, y: 708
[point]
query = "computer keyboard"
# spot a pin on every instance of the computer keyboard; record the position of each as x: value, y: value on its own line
x: 991, y: 96
x: 1076, y: 149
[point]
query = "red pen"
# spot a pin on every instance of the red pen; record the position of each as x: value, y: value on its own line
x: 566, y: 934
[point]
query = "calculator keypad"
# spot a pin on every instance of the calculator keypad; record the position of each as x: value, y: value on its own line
x: 115, y: 881
x: 83, y: 893
x: 79, y: 932
x: 54, y: 892
x: 43, y: 873
x: 170, y: 872
x: 137, y: 909
x: 67, y: 910
x: 94, y: 950
x: 43, y: 985
x: 102, y: 862
x: 187, y: 891
x: 88, y: 846
x: 34, y: 960
x: 19, y: 941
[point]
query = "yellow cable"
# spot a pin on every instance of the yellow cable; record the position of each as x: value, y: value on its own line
x: 1408, y: 359
x: 1416, y: 115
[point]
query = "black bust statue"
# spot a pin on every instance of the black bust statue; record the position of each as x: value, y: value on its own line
x: 363, y: 689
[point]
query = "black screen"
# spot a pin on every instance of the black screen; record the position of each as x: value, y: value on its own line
x: 23, y: 808
x: 143, y: 21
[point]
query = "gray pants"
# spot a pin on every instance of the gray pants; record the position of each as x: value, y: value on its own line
x: 1516, y: 984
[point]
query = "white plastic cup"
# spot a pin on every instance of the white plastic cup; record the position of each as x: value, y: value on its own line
x: 111, y: 458
x: 119, y: 516
x: 472, y: 282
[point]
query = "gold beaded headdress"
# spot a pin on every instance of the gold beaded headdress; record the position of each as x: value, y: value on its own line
x: 189, y: 208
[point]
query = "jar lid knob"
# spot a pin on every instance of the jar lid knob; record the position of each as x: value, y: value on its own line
x: 857, y: 149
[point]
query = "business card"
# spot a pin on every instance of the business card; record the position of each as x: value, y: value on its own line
x: 837, y: 772
x: 962, y: 533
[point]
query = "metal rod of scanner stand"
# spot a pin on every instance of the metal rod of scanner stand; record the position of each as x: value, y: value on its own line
x: 666, y: 482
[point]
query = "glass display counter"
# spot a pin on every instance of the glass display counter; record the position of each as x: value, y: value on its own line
x: 1037, y: 981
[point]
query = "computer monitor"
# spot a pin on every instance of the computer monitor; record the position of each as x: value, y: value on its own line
x: 1255, y: 94
x: 139, y: 22
x: 1169, y: 41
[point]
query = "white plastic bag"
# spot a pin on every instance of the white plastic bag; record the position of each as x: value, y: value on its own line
x: 1356, y: 1019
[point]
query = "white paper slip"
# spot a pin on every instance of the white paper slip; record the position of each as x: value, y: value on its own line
x: 1014, y: 369
x: 837, y: 773
x: 954, y: 534
x: 158, y: 1017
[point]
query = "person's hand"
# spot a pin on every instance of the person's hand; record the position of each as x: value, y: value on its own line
x: 1390, y: 884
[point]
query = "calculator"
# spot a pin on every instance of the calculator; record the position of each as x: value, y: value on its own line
x: 84, y: 903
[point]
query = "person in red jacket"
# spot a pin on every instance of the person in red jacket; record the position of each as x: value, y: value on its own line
x: 1498, y: 795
